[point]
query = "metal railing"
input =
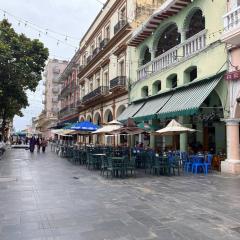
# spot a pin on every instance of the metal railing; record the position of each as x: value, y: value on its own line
x: 103, y: 43
x: 119, y: 81
x: 174, y: 55
x: 119, y: 26
x: 100, y: 91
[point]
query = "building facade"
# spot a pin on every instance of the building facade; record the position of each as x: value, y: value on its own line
x: 231, y: 36
x: 96, y: 81
x: 52, y: 87
x: 178, y: 73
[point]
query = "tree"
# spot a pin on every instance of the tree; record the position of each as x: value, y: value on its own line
x: 22, y: 61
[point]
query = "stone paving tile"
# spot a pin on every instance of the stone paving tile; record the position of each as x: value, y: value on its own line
x: 53, y: 199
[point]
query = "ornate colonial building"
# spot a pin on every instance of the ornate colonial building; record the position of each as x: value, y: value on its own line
x: 180, y: 73
x: 96, y: 81
x: 52, y: 87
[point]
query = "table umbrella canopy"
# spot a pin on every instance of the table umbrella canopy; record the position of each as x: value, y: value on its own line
x: 174, y: 127
x: 130, y: 128
x: 107, y: 129
x: 85, y: 126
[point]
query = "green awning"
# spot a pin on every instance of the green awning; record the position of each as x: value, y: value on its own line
x: 152, y: 106
x: 130, y: 111
x: 186, y: 100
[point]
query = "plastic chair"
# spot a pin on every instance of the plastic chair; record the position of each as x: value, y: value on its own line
x: 208, y: 163
x: 198, y: 162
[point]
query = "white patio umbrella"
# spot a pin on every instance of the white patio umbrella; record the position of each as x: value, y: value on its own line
x: 174, y: 128
x: 108, y: 128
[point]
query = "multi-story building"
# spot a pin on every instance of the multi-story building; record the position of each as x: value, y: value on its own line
x: 52, y: 87
x: 231, y: 36
x: 179, y: 73
x: 96, y: 81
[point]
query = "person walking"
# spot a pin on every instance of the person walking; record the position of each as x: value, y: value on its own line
x: 38, y: 143
x: 44, y: 145
x: 32, y: 144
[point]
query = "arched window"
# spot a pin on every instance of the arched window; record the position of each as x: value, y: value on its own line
x: 146, y: 56
x: 172, y: 81
x: 120, y: 110
x: 196, y: 23
x: 156, y: 87
x: 108, y: 116
x: 190, y: 74
x: 144, y: 92
x: 168, y: 39
x: 97, y: 119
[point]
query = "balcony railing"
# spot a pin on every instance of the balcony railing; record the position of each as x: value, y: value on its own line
x: 119, y: 81
x: 55, y: 99
x: 89, y: 58
x: 119, y: 26
x: 179, y: 53
x: 67, y: 111
x: 55, y: 89
x: 95, y: 52
x: 103, y: 43
x: 232, y: 19
x: 100, y: 91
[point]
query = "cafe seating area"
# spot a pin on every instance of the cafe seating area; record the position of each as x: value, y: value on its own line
x: 122, y: 162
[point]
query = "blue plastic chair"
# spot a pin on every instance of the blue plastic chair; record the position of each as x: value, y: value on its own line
x: 208, y: 163
x: 198, y: 162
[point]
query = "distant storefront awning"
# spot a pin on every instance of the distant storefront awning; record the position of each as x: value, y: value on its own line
x: 181, y: 101
x: 130, y: 111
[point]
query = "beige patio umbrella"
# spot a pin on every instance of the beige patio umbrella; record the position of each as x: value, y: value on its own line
x: 108, y: 128
x: 174, y: 128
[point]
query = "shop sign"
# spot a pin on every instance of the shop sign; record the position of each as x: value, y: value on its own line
x: 232, y: 75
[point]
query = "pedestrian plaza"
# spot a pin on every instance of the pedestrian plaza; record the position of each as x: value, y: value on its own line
x: 44, y: 196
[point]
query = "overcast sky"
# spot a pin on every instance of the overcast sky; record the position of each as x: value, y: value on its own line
x: 67, y: 17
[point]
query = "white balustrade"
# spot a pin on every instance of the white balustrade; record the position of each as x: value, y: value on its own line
x: 180, y: 52
x: 232, y: 19
x: 194, y: 44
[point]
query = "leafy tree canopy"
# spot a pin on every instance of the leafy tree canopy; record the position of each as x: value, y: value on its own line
x: 22, y: 61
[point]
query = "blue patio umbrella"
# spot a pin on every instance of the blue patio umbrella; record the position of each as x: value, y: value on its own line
x: 85, y: 126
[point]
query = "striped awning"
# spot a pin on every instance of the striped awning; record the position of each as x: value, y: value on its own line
x: 186, y: 100
x: 130, y: 111
x: 152, y: 106
x: 167, y: 9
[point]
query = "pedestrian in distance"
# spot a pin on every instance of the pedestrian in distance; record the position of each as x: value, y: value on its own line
x: 32, y: 144
x: 44, y: 145
x: 38, y: 143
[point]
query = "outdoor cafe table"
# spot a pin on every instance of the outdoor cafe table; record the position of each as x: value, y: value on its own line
x: 98, y: 158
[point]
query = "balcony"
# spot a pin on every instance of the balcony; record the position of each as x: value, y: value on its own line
x: 67, y: 111
x: 55, y: 99
x: 179, y: 53
x: 89, y: 58
x: 55, y: 80
x: 103, y: 43
x: 118, y: 82
x: 119, y: 26
x: 98, y: 92
x: 95, y: 52
x: 55, y: 90
x: 231, y: 33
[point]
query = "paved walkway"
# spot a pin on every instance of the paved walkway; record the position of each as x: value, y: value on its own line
x: 46, y: 197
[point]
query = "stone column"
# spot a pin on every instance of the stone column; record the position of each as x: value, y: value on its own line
x: 232, y: 163
x: 153, y: 52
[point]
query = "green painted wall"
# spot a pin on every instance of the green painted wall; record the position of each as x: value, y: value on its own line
x: 209, y: 61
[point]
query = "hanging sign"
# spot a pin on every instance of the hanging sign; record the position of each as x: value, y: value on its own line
x: 232, y: 75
